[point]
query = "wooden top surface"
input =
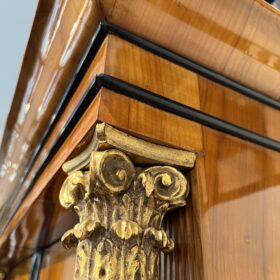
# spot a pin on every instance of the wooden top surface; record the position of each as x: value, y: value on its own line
x: 239, y: 39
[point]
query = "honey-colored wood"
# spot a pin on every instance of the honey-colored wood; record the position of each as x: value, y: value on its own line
x: 163, y: 77
x: 237, y: 208
x: 108, y: 58
x: 229, y: 229
x: 144, y: 120
x: 228, y: 37
x: 141, y: 119
x: 57, y: 264
x: 21, y: 271
x: 60, y: 35
x: 169, y: 80
x: 151, y: 72
x: 96, y: 68
x: 86, y: 123
x: 235, y: 108
x: 190, y: 137
x: 237, y: 39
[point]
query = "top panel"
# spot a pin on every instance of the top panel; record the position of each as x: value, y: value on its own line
x: 239, y: 39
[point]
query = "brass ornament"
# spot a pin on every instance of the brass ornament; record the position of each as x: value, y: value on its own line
x: 121, y: 206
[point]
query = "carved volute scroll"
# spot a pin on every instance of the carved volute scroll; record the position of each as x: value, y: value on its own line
x: 121, y: 198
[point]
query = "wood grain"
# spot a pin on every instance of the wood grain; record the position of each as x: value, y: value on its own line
x: 240, y: 110
x: 229, y: 230
x: 238, y: 39
x: 57, y: 264
x: 119, y: 111
x: 148, y: 122
x: 21, y: 271
x: 167, y: 79
x: 108, y: 58
x: 237, y: 208
x: 151, y: 72
x: 60, y: 35
x: 143, y: 120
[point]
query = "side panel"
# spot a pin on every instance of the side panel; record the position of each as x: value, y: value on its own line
x: 57, y: 264
x: 237, y: 207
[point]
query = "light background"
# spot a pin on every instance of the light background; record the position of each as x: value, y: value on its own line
x: 15, y: 25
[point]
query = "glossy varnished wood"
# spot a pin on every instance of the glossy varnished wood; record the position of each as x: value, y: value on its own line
x: 237, y: 209
x: 151, y: 72
x: 228, y: 105
x: 230, y: 38
x: 60, y: 35
x: 238, y: 39
x: 229, y: 229
x: 95, y: 68
x: 57, y: 264
x: 108, y: 60
x: 171, y: 81
x: 164, y: 78
x: 125, y: 114
x: 149, y: 122
x: 86, y: 123
x: 21, y: 271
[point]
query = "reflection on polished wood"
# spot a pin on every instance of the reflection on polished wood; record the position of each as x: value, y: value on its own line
x: 160, y: 125
x: 237, y: 206
x: 106, y: 60
x: 224, y: 103
x: 164, y: 78
x: 21, y: 271
x: 239, y: 39
x: 105, y: 63
x: 189, y: 138
x: 123, y: 242
x: 229, y: 228
x: 61, y: 33
x: 57, y: 264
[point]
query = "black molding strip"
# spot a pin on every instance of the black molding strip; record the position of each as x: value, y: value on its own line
x: 71, y: 122
x: 142, y: 95
x: 83, y: 66
x: 185, y: 111
x: 190, y: 65
x: 154, y: 100
x: 36, y: 266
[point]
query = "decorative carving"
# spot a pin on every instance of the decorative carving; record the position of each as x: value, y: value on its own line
x: 121, y: 206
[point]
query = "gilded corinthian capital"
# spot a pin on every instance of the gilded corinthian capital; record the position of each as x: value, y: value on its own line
x: 121, y: 187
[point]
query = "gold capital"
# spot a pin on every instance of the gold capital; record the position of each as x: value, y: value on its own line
x: 121, y: 187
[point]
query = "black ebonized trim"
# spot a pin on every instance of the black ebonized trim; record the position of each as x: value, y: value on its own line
x: 93, y: 48
x: 143, y: 96
x: 90, y: 53
x: 36, y: 266
x: 191, y: 65
x: 186, y: 112
x: 103, y: 29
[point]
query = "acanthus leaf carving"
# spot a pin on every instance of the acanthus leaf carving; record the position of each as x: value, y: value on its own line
x: 121, y: 207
